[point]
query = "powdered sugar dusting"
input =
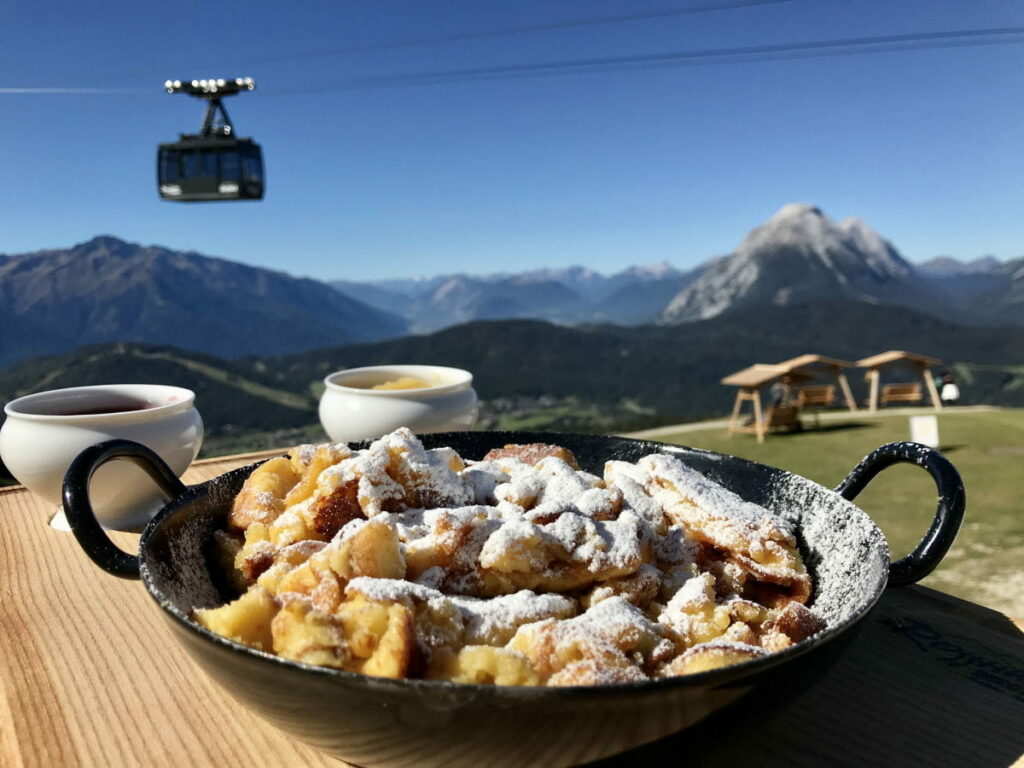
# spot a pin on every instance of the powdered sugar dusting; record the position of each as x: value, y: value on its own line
x: 495, y: 620
x: 483, y: 478
x: 614, y: 622
x: 629, y: 480
x: 726, y: 646
x: 845, y: 551
x: 726, y: 517
x: 389, y: 590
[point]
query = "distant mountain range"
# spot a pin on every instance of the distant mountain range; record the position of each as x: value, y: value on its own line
x: 107, y: 290
x: 801, y: 255
x: 569, y: 296
x: 947, y: 266
x: 798, y: 255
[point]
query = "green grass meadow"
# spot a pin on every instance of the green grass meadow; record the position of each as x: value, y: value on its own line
x: 986, y: 564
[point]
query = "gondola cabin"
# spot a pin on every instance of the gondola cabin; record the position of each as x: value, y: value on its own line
x: 213, y: 168
x: 213, y: 164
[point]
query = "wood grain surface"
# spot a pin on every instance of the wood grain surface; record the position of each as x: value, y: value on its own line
x: 91, y: 676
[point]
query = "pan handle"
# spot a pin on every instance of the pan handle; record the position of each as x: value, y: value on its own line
x: 78, y: 508
x: 948, y: 515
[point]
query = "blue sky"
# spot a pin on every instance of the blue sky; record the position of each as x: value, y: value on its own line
x: 602, y: 169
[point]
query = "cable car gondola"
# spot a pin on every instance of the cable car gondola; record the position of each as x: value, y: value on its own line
x: 213, y: 164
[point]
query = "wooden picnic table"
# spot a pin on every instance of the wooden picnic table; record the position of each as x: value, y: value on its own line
x: 90, y: 675
x: 749, y: 383
x: 904, y: 392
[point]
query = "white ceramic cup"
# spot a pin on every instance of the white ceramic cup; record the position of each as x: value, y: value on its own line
x: 44, y: 432
x: 350, y: 410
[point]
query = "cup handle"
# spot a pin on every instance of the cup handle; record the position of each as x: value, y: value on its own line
x: 949, y: 513
x: 78, y: 508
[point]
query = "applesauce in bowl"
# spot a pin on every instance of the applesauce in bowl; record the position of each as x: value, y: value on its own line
x: 365, y: 403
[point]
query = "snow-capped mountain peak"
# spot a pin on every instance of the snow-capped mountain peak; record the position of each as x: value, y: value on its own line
x: 658, y: 271
x: 878, y: 251
x: 798, y: 254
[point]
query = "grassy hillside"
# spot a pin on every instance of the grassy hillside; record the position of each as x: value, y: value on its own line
x: 232, y: 398
x: 987, y: 449
x: 534, y: 375
x: 671, y: 373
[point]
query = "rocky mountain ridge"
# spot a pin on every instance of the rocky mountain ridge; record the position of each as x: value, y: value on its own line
x: 107, y: 290
x: 801, y: 255
x: 798, y: 255
x: 942, y: 266
x: 568, y: 296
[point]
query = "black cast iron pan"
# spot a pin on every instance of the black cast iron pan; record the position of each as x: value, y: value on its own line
x: 380, y: 722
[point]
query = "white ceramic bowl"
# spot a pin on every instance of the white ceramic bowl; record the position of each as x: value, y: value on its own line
x: 350, y: 410
x: 45, y: 431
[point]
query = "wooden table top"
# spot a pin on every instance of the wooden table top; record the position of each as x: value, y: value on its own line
x: 91, y: 676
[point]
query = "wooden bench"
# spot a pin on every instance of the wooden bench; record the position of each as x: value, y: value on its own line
x: 816, y: 397
x: 901, y: 393
x: 775, y: 417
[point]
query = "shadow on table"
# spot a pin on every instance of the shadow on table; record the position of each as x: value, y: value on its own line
x: 931, y: 680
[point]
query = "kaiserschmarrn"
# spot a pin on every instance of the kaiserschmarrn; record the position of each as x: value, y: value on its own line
x: 518, y: 569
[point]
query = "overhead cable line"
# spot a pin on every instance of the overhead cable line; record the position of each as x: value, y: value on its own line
x: 857, y: 46
x: 698, y: 57
x: 453, y: 37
